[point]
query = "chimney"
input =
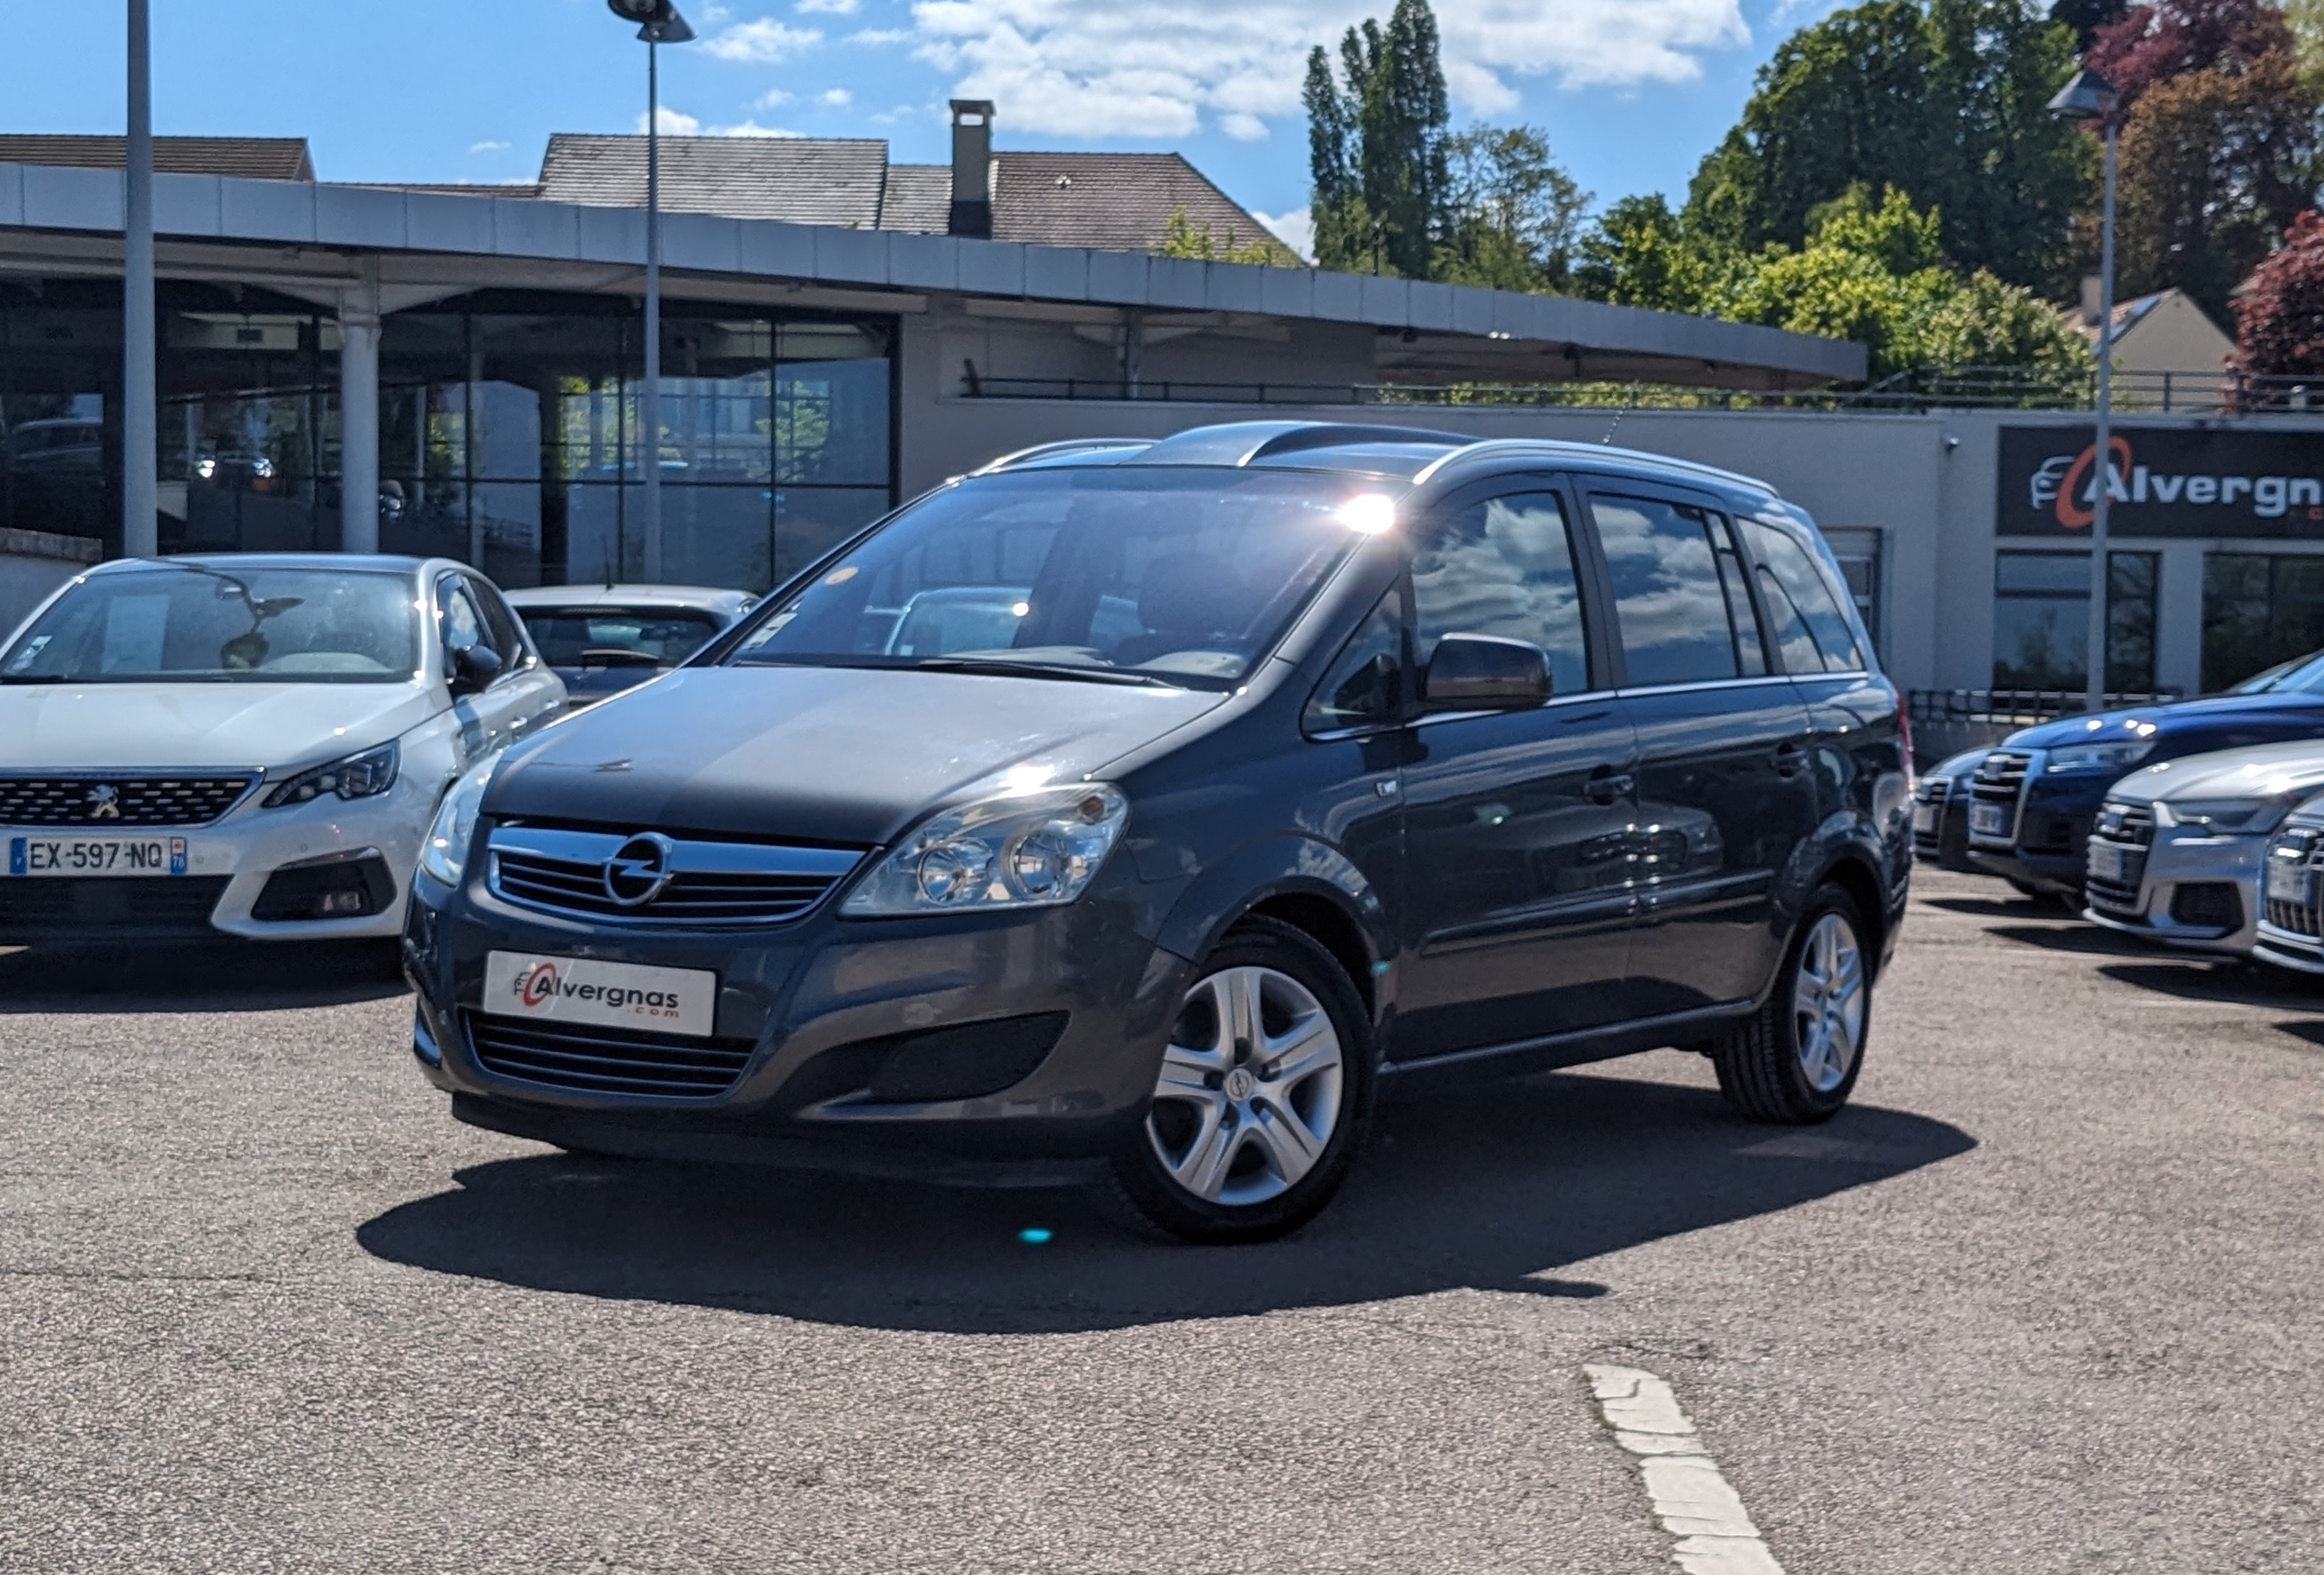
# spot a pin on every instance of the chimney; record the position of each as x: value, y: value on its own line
x: 2090, y: 298
x: 972, y: 169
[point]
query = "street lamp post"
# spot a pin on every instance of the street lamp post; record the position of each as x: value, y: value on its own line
x: 139, y: 450
x: 2087, y: 97
x: 658, y: 24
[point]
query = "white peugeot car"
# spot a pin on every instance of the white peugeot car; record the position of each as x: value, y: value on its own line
x: 252, y: 744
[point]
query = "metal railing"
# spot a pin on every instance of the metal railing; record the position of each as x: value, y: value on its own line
x: 1909, y: 393
x: 1948, y: 721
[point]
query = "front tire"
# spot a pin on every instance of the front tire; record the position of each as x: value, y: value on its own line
x: 1795, y: 1061
x: 1262, y: 1097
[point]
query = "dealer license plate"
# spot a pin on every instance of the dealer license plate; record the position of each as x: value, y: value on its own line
x: 2107, y: 861
x: 2289, y: 881
x: 1925, y: 818
x: 1988, y: 820
x: 69, y: 856
x: 576, y: 990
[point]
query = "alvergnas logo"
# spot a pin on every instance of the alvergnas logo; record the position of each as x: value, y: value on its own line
x: 537, y: 986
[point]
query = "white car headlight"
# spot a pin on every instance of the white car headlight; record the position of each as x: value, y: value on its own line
x: 444, y: 854
x: 2226, y: 814
x: 2095, y: 757
x: 1022, y: 850
x: 364, y: 776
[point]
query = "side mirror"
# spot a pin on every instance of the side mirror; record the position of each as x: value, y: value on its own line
x: 474, y: 668
x: 1484, y: 672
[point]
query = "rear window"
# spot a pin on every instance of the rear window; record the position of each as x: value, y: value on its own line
x: 576, y: 637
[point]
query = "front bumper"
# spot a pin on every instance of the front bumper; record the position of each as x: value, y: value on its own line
x: 2045, y: 825
x: 814, y: 1011
x: 228, y: 865
x: 2174, y: 897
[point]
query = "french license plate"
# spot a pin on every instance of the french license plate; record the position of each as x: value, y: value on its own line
x: 2107, y: 861
x: 1925, y: 818
x: 576, y: 990
x: 1988, y: 820
x: 2290, y: 882
x: 69, y: 856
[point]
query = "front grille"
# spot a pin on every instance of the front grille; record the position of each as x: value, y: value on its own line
x: 2129, y: 827
x: 120, y: 800
x: 1932, y: 793
x: 610, y: 1061
x: 2299, y: 846
x: 563, y: 870
x: 128, y: 908
x: 2001, y: 775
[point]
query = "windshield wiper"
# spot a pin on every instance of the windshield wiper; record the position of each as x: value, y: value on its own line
x: 1001, y: 668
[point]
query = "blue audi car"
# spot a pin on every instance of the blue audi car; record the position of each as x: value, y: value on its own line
x: 2033, y: 800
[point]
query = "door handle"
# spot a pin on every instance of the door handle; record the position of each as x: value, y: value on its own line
x: 1606, y: 789
x: 1791, y: 760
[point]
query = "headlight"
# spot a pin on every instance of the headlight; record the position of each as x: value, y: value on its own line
x: 2226, y: 814
x: 444, y: 854
x: 364, y: 776
x: 1024, y: 849
x: 2116, y: 757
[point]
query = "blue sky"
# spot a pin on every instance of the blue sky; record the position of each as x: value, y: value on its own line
x: 1632, y: 92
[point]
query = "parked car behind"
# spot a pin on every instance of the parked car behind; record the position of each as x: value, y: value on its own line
x: 1411, y: 757
x: 2290, y: 930
x: 604, y: 638
x: 1940, y: 811
x: 2033, y: 800
x: 2176, y: 853
x: 246, y: 744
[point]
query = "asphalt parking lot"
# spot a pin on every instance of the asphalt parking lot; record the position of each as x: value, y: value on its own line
x: 2047, y: 1298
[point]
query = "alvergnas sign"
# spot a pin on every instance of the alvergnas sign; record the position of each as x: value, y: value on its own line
x: 2165, y: 482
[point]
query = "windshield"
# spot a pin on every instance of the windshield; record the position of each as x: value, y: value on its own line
x: 2301, y: 675
x: 1141, y: 574
x: 191, y: 623
x: 597, y: 636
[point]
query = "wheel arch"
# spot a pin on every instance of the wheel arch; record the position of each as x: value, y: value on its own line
x: 1308, y: 885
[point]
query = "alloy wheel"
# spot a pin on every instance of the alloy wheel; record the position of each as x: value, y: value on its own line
x: 1828, y: 1003
x: 1250, y: 1087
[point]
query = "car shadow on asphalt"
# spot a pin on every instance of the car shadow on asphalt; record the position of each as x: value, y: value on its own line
x: 1496, y: 1189
x: 2228, y: 981
x: 2074, y: 936
x: 214, y: 976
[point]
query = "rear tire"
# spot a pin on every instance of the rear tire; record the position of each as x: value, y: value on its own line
x: 1262, y: 1096
x: 1796, y: 1059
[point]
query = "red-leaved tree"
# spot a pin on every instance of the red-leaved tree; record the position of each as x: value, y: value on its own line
x: 2177, y: 38
x: 2280, y: 314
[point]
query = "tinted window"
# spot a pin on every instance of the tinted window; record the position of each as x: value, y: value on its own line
x: 1809, y: 626
x: 1187, y: 575
x: 193, y: 623
x: 1677, y: 622
x: 1504, y: 566
x: 500, y: 623
x: 1365, y: 684
x: 1750, y: 656
x: 569, y: 636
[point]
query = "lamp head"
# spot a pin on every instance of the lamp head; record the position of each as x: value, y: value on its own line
x: 658, y: 20
x: 2088, y: 96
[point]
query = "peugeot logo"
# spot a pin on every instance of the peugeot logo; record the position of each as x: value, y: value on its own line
x: 639, y: 870
x: 105, y: 802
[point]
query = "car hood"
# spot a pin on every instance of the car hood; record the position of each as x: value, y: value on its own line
x: 844, y: 755
x: 171, y: 726
x: 2283, y: 716
x: 2261, y: 771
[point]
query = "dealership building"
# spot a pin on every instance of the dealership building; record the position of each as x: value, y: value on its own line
x: 841, y: 332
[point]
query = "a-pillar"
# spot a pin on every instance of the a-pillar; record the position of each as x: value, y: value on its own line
x: 359, y: 422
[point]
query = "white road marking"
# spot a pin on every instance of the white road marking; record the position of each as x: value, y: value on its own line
x: 1692, y: 1501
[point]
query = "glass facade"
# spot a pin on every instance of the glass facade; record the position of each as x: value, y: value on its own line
x: 2259, y: 609
x: 509, y: 429
x: 2041, y: 621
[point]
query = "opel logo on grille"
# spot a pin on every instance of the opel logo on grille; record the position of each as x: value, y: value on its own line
x: 639, y: 870
x: 104, y: 802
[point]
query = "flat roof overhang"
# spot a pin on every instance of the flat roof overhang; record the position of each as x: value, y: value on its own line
x: 311, y: 240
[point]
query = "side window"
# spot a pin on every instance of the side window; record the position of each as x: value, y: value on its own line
x: 500, y: 624
x: 1364, y: 684
x: 462, y: 624
x: 1750, y: 656
x: 1810, y: 630
x: 1504, y: 566
x: 1675, y: 612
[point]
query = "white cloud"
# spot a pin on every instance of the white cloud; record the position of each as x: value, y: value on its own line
x: 836, y: 97
x: 488, y: 147
x: 762, y: 42
x: 829, y: 8
x: 1243, y: 127
x: 1296, y: 229
x: 674, y: 122
x: 1162, y: 68
x: 772, y: 99
x: 881, y: 36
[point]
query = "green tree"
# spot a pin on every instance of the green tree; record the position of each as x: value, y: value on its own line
x: 1640, y: 253
x: 1512, y: 216
x: 1183, y: 237
x: 1378, y: 145
x: 1944, y: 97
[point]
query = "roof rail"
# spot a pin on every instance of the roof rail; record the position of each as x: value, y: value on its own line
x: 1242, y: 443
x: 1058, y: 450
x: 1561, y: 448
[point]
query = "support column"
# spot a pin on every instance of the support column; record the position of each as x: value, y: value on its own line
x: 139, y: 399
x: 359, y: 421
